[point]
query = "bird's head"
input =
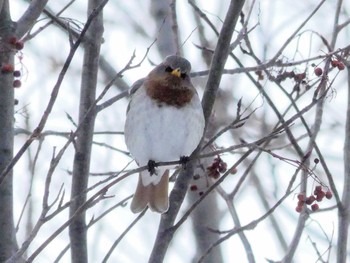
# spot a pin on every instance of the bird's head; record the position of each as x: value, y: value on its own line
x: 174, y: 68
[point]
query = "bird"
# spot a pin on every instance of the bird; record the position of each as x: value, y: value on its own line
x: 164, y: 122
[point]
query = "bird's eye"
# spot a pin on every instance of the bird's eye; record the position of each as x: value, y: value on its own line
x: 168, y: 69
x: 183, y: 75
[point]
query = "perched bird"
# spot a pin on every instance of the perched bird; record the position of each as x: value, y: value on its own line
x: 164, y: 122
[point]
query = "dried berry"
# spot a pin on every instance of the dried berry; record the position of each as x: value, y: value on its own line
x: 299, y: 209
x: 222, y: 167
x: 317, y: 189
x: 17, y: 83
x: 16, y: 73
x: 299, y: 77
x: 310, y: 200
x: 334, y: 63
x: 316, y: 160
x: 314, y: 207
x: 233, y: 170
x: 320, y: 196
x: 341, y: 66
x: 329, y: 194
x: 301, y: 197
x: 215, y: 174
x: 218, y: 166
x: 318, y: 71
x: 19, y: 45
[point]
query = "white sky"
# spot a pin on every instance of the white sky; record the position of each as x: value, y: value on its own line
x: 43, y: 58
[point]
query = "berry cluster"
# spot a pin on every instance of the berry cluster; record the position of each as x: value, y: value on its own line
x: 15, y: 43
x: 317, y: 196
x: 216, y: 168
x: 9, y: 68
x: 197, y: 183
x: 298, y: 77
x: 336, y: 63
x: 201, y: 183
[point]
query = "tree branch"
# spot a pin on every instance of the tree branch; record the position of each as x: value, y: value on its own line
x: 81, y: 166
x: 165, y: 234
x: 54, y: 95
x: 344, y: 209
x: 28, y: 19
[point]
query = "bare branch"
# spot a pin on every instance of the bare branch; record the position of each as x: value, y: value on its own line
x: 28, y: 19
x: 54, y: 95
x: 344, y: 211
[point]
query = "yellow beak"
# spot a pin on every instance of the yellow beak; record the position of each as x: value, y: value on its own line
x: 176, y: 72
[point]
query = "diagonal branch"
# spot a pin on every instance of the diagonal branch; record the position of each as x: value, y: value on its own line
x: 54, y: 95
x: 165, y: 232
x: 28, y: 19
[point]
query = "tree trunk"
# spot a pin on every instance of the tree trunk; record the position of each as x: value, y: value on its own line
x: 81, y: 166
x: 8, y: 240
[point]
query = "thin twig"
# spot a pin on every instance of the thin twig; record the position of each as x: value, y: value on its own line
x: 54, y: 95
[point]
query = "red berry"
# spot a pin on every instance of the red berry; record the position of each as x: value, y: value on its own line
x: 215, y: 174
x: 310, y: 200
x: 193, y: 187
x: 299, y: 77
x: 7, y: 68
x: 314, y: 207
x: 341, y: 66
x: 329, y: 194
x: 222, y: 167
x: 233, y: 170
x: 334, y: 63
x: 318, y: 189
x: 318, y: 71
x: 19, y: 45
x: 12, y: 40
x: 17, y: 83
x: 298, y: 209
x: 320, y: 196
x: 301, y: 203
x: 301, y: 197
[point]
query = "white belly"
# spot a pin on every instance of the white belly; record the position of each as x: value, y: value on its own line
x: 162, y: 133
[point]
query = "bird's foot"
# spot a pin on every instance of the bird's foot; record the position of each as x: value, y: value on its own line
x: 151, y: 167
x: 184, y: 160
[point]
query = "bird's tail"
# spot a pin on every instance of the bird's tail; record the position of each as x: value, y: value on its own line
x: 153, y: 195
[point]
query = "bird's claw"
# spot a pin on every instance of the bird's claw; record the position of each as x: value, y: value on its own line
x: 151, y: 167
x: 184, y: 160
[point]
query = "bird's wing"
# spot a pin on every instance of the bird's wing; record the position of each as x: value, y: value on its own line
x: 133, y: 89
x: 136, y: 86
